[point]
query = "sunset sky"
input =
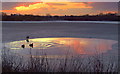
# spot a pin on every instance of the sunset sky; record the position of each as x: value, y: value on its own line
x: 59, y: 8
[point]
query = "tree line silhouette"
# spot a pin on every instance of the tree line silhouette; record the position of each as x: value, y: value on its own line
x: 48, y: 17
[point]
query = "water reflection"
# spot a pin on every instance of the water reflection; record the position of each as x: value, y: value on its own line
x: 59, y: 46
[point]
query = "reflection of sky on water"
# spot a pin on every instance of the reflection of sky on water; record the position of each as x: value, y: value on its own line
x: 59, y: 46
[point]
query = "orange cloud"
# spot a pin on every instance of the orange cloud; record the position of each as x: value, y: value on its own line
x: 106, y: 12
x: 55, y: 5
x: 7, y: 10
x: 31, y: 7
x: 69, y: 5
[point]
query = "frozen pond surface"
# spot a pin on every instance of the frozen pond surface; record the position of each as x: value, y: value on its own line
x: 61, y: 46
x: 18, y: 31
x: 56, y: 38
x: 108, y: 22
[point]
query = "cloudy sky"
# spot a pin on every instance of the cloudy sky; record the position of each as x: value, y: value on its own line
x: 59, y: 8
x: 59, y: 0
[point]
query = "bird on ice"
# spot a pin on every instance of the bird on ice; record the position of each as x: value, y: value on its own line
x: 27, y: 38
x: 23, y: 46
x: 31, y: 45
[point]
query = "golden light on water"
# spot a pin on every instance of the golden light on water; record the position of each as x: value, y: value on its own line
x: 74, y: 45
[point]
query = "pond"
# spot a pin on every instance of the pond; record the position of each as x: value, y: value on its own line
x: 55, y: 47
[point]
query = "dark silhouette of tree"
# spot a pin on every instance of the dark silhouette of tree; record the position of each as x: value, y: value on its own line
x: 48, y: 15
x: 87, y: 17
x: 4, y: 14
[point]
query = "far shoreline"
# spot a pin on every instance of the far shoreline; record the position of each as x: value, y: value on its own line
x: 104, y: 22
